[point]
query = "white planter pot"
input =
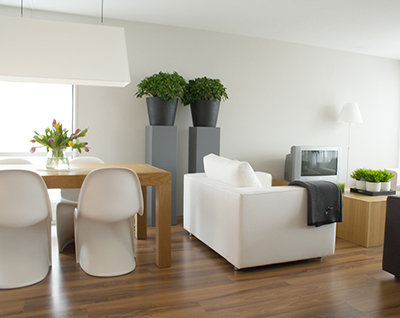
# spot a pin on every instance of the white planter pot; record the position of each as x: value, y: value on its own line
x: 385, y: 186
x: 373, y: 186
x: 360, y: 184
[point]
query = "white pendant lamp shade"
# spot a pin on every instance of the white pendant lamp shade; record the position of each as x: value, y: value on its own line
x: 44, y: 51
x: 350, y: 114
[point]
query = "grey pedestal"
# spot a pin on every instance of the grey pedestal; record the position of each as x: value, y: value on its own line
x: 202, y: 141
x: 162, y: 152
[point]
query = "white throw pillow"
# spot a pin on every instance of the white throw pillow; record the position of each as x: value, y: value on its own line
x: 235, y: 173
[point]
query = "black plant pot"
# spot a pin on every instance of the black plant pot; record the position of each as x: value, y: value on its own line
x: 205, y: 112
x: 161, y: 112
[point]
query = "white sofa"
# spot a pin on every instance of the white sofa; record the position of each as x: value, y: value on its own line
x: 237, y: 213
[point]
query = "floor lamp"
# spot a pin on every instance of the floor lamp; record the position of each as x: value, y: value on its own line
x: 350, y: 114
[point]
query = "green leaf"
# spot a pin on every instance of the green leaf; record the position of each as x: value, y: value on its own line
x: 164, y: 85
x: 204, y: 89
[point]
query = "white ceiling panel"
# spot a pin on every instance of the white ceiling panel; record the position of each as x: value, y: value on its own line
x: 363, y: 26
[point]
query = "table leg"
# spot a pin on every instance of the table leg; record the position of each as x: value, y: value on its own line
x: 163, y: 225
x: 141, y: 220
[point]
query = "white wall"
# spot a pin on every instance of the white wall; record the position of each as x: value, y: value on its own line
x: 281, y: 94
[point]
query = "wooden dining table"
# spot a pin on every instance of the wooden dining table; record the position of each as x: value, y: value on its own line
x: 148, y: 176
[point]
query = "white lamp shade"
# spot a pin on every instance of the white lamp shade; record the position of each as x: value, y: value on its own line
x: 350, y: 114
x: 33, y: 50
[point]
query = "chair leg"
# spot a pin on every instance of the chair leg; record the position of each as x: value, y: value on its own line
x: 65, y: 224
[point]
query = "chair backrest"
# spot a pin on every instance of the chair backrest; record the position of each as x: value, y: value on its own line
x: 24, y: 200
x: 86, y: 159
x: 73, y: 194
x: 13, y: 161
x: 110, y: 195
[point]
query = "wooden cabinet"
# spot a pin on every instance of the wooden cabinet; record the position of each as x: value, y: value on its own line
x: 363, y: 219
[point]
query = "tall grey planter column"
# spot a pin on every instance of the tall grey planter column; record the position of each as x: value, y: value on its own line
x: 202, y: 141
x: 162, y: 152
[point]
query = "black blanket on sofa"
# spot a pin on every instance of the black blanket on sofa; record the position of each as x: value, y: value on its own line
x: 324, y: 201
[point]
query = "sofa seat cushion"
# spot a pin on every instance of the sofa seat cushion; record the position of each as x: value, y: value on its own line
x: 232, y: 172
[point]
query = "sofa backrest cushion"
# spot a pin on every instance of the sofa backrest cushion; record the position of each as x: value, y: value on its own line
x: 233, y: 172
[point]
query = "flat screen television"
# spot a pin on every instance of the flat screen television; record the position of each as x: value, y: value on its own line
x: 313, y: 163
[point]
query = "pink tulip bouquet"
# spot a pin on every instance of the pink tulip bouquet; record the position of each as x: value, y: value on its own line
x: 57, y: 138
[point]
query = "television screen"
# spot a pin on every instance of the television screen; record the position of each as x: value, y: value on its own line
x: 319, y: 162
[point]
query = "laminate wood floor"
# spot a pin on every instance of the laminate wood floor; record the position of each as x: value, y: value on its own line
x: 202, y: 284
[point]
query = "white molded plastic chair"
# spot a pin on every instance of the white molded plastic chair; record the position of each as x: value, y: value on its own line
x: 13, y: 161
x: 25, y: 229
x: 104, y: 221
x: 66, y: 207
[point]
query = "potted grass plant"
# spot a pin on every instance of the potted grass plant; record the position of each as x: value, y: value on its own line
x: 373, y: 178
x: 378, y: 180
x: 385, y: 180
x: 359, y: 176
x: 163, y: 90
x: 204, y: 96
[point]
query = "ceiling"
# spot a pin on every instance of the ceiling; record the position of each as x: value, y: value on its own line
x: 363, y: 26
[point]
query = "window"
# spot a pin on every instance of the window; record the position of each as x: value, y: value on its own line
x: 29, y: 107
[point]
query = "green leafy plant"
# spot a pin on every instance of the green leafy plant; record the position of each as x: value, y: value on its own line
x: 164, y: 85
x: 371, y: 176
x: 204, y: 88
x: 378, y: 175
x: 358, y: 174
x: 386, y: 176
x: 57, y: 138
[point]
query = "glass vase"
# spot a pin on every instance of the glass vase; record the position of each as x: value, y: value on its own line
x: 57, y: 159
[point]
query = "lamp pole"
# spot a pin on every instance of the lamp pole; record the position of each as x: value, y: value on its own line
x: 350, y: 114
x: 348, y: 155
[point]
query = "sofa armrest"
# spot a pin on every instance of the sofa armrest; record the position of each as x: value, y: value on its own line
x: 265, y: 178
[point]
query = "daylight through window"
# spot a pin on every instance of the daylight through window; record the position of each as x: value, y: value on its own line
x: 29, y: 107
